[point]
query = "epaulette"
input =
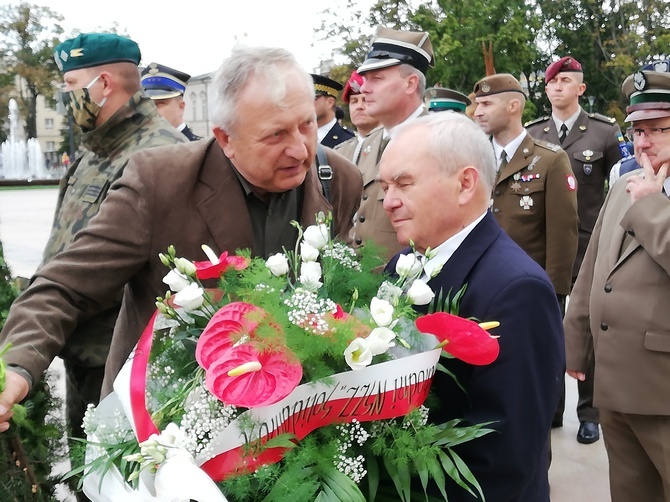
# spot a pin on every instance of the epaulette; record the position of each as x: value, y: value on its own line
x: 547, y: 145
x: 536, y: 121
x: 602, y: 118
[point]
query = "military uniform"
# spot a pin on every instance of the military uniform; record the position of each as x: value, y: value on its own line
x: 592, y: 146
x: 352, y: 148
x: 535, y: 202
x: 190, y: 135
x: 336, y: 136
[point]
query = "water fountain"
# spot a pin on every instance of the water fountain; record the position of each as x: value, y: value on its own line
x: 20, y: 160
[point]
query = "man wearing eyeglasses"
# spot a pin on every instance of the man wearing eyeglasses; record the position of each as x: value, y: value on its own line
x: 619, y: 305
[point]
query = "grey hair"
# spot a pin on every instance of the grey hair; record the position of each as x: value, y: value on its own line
x: 269, y: 65
x: 455, y: 142
x: 406, y: 70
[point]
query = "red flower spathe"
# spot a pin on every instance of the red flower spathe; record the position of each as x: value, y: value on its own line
x: 209, y: 270
x: 462, y: 338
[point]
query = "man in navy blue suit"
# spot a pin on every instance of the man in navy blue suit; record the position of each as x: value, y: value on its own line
x: 437, y: 175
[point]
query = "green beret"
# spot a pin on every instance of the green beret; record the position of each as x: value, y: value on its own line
x: 95, y: 49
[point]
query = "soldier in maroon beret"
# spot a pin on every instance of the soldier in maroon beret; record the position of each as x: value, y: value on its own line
x: 594, y: 143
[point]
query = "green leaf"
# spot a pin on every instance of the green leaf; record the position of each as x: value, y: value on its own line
x: 451, y: 469
x: 373, y: 476
x: 342, y: 486
x: 401, y: 479
x: 467, y: 473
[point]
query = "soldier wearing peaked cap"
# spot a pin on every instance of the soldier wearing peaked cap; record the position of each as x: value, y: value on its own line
x: 618, y: 307
x: 534, y: 199
x: 363, y: 122
x: 330, y: 133
x: 166, y: 86
x: 594, y: 143
x: 102, y: 89
x: 440, y: 99
x: 394, y: 74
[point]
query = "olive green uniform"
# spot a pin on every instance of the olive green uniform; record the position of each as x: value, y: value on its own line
x: 135, y: 126
x: 535, y: 202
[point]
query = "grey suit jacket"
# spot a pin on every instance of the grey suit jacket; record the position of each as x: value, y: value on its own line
x: 184, y: 195
x: 619, y: 306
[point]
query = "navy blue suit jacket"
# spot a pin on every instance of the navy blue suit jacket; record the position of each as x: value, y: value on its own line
x: 520, y: 390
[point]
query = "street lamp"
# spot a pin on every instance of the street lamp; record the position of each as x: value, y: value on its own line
x: 592, y: 100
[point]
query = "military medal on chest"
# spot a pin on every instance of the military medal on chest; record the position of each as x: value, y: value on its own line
x: 516, y: 186
x: 526, y: 202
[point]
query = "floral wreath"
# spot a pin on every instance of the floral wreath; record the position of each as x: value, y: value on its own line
x: 304, y: 375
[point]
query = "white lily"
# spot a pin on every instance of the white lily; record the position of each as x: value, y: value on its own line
x: 380, y: 340
x: 278, y: 264
x: 408, y: 265
x: 190, y: 298
x: 316, y: 235
x: 358, y: 354
x: 381, y: 311
x: 308, y: 252
x: 420, y: 293
x: 176, y: 281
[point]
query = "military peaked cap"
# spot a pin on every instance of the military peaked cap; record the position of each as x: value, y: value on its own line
x: 441, y: 99
x: 95, y: 49
x: 649, y: 92
x: 495, y: 84
x: 326, y: 86
x: 393, y: 47
x: 162, y: 82
x: 565, y: 64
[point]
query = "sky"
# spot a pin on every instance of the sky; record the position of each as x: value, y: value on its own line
x: 194, y: 36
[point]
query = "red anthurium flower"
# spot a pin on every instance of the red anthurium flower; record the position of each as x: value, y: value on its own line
x: 237, y: 318
x: 215, y: 267
x: 340, y: 313
x: 461, y: 337
x: 247, y: 378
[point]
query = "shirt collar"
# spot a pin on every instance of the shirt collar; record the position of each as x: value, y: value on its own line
x: 569, y: 122
x: 510, y: 148
x: 444, y: 251
x: 322, y: 131
x: 388, y: 133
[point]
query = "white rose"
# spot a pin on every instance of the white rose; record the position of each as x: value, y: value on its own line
x: 190, y: 298
x: 380, y: 340
x: 310, y: 275
x: 381, y: 311
x: 420, y: 293
x: 316, y: 235
x: 176, y: 281
x: 358, y: 354
x: 278, y: 264
x: 408, y: 265
x: 185, y: 266
x: 308, y: 252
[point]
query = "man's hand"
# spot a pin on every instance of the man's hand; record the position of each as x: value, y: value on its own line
x: 16, y: 389
x: 577, y: 375
x: 648, y: 182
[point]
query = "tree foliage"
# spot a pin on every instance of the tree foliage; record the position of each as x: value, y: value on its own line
x: 610, y: 38
x: 28, y: 35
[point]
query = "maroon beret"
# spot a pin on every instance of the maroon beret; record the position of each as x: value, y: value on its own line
x: 566, y: 63
x: 353, y: 86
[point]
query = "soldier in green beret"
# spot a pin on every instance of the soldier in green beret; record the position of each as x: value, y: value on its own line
x: 102, y: 89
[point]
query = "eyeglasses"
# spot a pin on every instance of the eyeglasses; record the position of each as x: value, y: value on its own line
x: 650, y: 133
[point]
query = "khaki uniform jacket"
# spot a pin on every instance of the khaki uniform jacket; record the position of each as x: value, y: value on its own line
x: 592, y: 146
x: 184, y: 195
x: 350, y: 149
x: 619, y: 306
x: 372, y: 223
x: 535, y: 202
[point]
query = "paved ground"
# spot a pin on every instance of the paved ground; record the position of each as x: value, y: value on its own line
x: 578, y: 472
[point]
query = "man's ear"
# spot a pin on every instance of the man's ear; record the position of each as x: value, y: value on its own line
x: 469, y: 179
x: 412, y: 83
x: 109, y: 82
x: 582, y: 88
x: 223, y: 139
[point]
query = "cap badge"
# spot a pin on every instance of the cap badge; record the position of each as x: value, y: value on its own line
x: 355, y: 86
x: 485, y: 87
x: 640, y: 81
x: 77, y: 53
x: 433, y: 93
x: 661, y: 66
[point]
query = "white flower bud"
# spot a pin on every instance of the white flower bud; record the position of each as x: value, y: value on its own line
x: 408, y: 265
x: 380, y: 340
x: 308, y: 252
x: 185, y: 266
x: 420, y: 293
x: 176, y: 281
x: 310, y: 275
x: 316, y: 236
x: 381, y: 311
x: 190, y: 298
